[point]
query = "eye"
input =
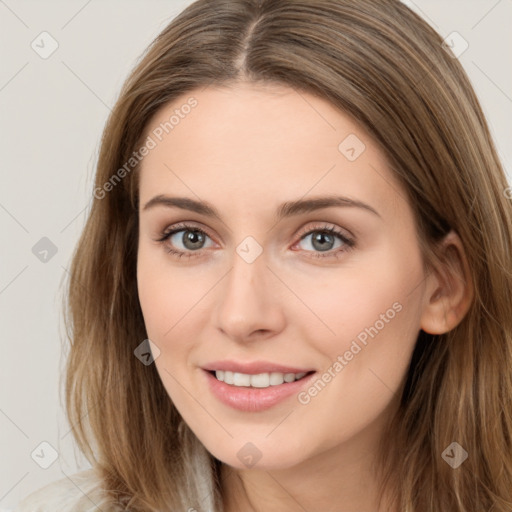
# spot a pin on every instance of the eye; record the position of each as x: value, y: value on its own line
x: 191, y: 237
x: 192, y: 240
x: 323, y: 240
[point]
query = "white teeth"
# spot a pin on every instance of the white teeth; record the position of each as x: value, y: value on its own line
x: 262, y: 380
x: 276, y: 379
x: 241, y: 379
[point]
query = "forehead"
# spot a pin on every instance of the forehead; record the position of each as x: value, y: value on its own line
x: 248, y: 142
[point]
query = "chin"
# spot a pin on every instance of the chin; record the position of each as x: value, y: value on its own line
x: 264, y: 454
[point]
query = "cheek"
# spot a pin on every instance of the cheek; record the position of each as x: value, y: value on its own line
x: 157, y: 300
x: 373, y: 313
x: 166, y: 293
x: 167, y: 301
x: 375, y: 319
x: 373, y: 296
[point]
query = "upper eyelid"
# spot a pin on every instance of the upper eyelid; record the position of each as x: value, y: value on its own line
x: 176, y: 228
x: 337, y: 230
x: 301, y: 233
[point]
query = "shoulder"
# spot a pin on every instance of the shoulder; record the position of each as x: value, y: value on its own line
x: 80, y: 492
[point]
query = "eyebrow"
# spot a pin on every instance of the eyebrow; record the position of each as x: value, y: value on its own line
x: 287, y: 209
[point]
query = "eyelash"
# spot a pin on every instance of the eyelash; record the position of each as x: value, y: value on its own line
x: 349, y: 243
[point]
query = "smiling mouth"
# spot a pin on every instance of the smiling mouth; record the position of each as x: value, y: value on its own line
x: 260, y: 380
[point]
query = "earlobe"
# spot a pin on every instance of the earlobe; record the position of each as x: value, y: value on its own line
x: 449, y: 290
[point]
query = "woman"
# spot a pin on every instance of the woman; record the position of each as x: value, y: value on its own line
x: 222, y: 356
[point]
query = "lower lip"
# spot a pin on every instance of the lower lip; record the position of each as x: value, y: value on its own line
x: 248, y: 399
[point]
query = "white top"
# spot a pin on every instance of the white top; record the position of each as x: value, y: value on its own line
x: 80, y: 492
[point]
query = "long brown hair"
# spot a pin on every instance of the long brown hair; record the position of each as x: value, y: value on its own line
x: 380, y: 63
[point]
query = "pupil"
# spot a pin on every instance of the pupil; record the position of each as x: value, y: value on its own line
x: 194, y: 237
x: 321, y: 237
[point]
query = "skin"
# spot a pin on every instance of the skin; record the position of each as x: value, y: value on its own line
x: 246, y: 149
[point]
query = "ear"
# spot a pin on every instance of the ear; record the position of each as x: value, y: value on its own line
x: 449, y: 290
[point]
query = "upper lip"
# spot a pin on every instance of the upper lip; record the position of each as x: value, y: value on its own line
x: 253, y: 367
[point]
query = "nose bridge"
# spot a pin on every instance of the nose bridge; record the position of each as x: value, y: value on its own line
x: 247, y: 274
x: 248, y: 301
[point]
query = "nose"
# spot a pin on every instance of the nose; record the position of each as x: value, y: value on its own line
x: 250, y: 301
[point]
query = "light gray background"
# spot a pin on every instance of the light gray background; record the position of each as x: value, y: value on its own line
x: 52, y: 114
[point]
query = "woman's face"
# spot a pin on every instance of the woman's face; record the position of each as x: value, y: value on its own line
x: 259, y: 290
